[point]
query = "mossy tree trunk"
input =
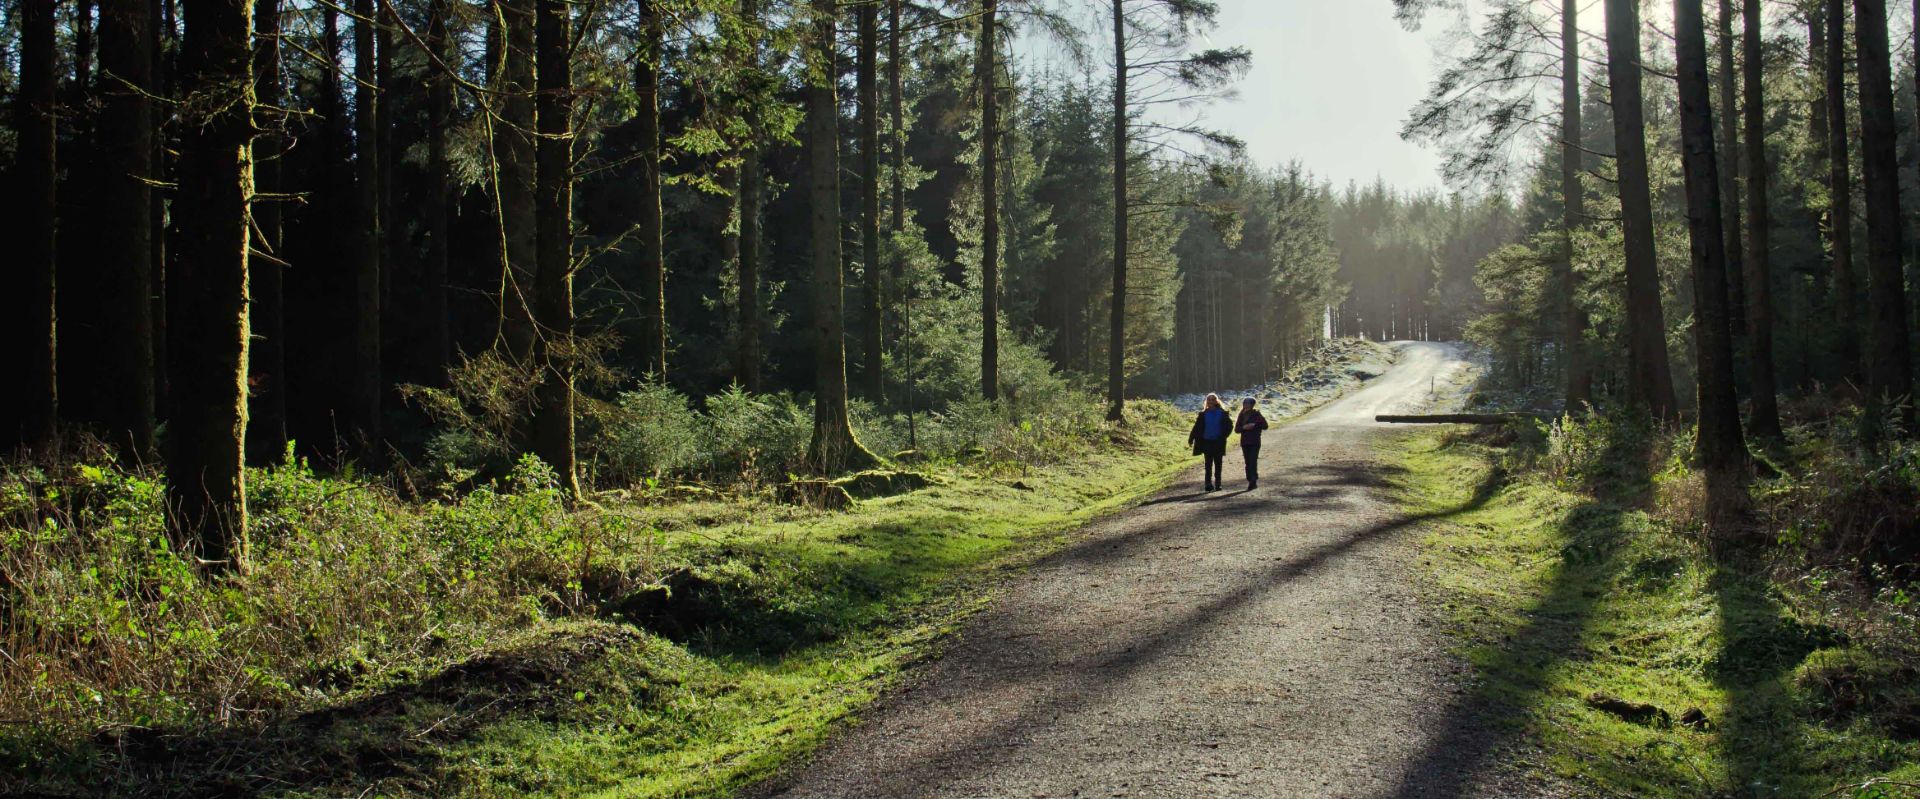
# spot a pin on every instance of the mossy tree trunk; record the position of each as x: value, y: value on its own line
x: 206, y: 491
x: 834, y: 447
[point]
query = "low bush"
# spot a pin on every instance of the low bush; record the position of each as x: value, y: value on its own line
x: 104, y: 624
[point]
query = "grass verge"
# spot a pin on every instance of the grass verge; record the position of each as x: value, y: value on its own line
x: 766, y: 625
x: 1744, y: 686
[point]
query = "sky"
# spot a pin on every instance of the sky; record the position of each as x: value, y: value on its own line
x: 1331, y: 83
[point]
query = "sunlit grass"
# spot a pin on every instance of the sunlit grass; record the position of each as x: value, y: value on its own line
x: 1556, y: 595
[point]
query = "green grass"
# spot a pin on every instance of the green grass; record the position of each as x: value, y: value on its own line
x: 761, y: 626
x: 819, y: 614
x: 1556, y: 595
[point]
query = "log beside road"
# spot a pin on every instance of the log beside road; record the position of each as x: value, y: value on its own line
x: 1450, y: 418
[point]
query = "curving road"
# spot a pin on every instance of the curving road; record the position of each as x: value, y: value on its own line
x: 1232, y: 644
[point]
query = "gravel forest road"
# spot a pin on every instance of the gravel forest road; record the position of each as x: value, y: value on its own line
x: 1270, y: 643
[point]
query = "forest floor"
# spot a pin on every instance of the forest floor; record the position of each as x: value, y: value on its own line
x: 1264, y: 643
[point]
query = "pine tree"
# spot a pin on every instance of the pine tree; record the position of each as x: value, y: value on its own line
x: 34, y: 173
x: 1764, y: 420
x: 986, y: 76
x: 206, y: 481
x: 1650, y: 380
x: 834, y: 448
x: 363, y: 411
x: 653, y: 265
x: 1846, y: 292
x: 126, y: 132
x: 554, y: 347
x: 1719, y: 446
x: 1889, y: 371
x: 867, y: 90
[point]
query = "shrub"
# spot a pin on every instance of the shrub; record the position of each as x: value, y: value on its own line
x: 648, y: 433
x: 1607, y: 453
x: 756, y: 438
x: 106, y: 624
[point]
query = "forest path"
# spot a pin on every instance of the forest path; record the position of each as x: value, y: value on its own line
x: 1231, y: 644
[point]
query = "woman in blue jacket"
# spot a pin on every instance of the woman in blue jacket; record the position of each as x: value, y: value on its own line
x: 1209, y: 438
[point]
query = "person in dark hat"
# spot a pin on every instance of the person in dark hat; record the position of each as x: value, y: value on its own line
x: 1250, y: 424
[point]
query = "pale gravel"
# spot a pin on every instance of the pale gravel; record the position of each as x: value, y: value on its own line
x: 1231, y: 644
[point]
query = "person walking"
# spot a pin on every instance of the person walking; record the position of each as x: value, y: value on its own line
x: 1250, y: 423
x: 1209, y: 439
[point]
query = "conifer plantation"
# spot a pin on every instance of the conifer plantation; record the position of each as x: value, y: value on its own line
x: 550, y: 397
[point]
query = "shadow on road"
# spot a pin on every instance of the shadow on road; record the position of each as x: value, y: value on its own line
x: 1320, y: 486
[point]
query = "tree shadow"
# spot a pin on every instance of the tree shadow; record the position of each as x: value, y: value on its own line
x: 387, y: 740
x: 1515, y: 673
x: 1760, y: 646
x: 1122, y: 659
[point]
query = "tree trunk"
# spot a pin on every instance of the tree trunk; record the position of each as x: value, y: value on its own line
x: 553, y: 438
x: 1817, y: 149
x: 126, y: 132
x: 1913, y: 263
x: 1117, y: 325
x: 1889, y: 372
x: 987, y: 76
x: 206, y: 484
x: 872, y: 318
x: 437, y: 348
x: 653, y: 264
x: 1846, y: 294
x: 1650, y: 380
x: 513, y: 159
x: 34, y: 174
x: 1720, y: 447
x: 165, y: 77
x: 267, y: 355
x: 1573, y: 213
x: 363, y: 407
x: 834, y: 448
x: 1764, y: 419
x: 897, y: 149
x: 1729, y: 118
x: 749, y: 211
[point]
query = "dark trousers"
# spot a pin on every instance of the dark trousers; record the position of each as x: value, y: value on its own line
x: 1215, y: 453
x: 1252, y: 456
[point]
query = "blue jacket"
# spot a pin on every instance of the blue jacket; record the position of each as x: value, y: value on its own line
x: 1213, y: 424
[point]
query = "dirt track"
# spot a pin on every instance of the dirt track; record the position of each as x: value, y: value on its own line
x: 1232, y: 644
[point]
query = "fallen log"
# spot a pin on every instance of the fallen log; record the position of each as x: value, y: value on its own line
x: 1450, y: 418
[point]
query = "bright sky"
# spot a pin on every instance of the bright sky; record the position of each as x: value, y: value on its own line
x: 1332, y: 80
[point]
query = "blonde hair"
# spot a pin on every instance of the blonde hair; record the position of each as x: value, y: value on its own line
x: 1213, y: 401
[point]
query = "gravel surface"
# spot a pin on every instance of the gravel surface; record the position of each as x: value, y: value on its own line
x: 1270, y: 643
